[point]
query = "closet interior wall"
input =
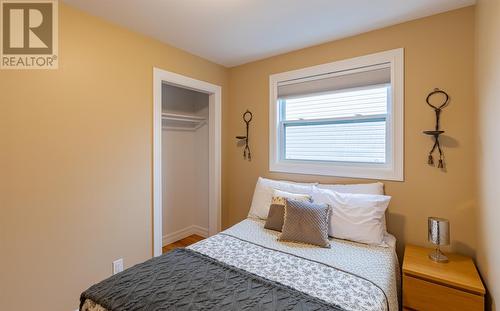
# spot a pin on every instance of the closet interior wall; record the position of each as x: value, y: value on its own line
x: 185, y: 163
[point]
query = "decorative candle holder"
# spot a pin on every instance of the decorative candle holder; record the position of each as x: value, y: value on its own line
x: 439, y: 235
x: 247, y: 117
x: 436, y: 132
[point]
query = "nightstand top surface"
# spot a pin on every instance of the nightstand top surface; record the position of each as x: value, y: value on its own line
x: 459, y: 272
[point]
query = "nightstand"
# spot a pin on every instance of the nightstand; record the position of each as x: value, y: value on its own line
x: 428, y: 285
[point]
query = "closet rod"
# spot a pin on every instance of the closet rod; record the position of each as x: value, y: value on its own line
x: 184, y: 129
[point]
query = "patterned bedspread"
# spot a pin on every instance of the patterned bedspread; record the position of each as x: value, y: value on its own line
x: 349, y: 275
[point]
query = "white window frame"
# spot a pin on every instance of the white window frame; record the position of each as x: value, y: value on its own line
x: 393, y: 168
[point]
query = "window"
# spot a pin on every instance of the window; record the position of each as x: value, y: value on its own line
x: 340, y: 119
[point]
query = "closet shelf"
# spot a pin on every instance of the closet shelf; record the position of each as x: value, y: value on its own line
x: 192, y: 122
x: 182, y: 117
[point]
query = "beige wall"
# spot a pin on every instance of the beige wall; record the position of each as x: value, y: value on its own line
x: 439, y: 52
x: 75, y: 160
x: 488, y: 91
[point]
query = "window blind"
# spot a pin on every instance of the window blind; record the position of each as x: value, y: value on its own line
x: 362, y: 77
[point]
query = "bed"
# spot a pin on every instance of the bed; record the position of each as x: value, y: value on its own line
x: 246, y: 268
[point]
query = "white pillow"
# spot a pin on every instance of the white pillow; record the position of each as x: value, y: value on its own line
x: 264, y: 191
x: 372, y: 188
x: 355, y: 217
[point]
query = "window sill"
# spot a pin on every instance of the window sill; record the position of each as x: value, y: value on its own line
x: 353, y: 170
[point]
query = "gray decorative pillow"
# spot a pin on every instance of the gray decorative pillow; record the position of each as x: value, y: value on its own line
x: 275, y: 218
x: 306, y: 222
x: 276, y: 213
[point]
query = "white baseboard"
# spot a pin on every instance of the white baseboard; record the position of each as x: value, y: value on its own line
x: 184, y: 233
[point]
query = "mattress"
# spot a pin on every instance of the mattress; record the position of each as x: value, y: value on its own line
x: 349, y: 275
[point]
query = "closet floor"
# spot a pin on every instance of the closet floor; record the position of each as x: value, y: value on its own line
x: 182, y: 243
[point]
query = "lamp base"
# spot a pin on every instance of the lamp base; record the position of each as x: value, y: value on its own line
x: 438, y: 256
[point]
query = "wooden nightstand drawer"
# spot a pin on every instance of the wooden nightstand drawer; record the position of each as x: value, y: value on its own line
x: 419, y: 294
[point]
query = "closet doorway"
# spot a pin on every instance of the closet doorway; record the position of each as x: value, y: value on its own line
x: 186, y: 158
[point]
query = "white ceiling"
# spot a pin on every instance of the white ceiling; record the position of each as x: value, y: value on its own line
x: 234, y: 32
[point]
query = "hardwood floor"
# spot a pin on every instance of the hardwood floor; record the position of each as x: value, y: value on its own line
x: 182, y: 243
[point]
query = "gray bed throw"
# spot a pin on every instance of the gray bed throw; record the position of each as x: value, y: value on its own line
x: 187, y: 280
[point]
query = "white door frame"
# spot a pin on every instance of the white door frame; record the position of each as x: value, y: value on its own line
x: 215, y: 97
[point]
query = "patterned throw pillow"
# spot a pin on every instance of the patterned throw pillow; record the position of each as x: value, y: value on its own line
x: 276, y: 214
x: 306, y: 222
x: 280, y: 197
x: 278, y: 200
